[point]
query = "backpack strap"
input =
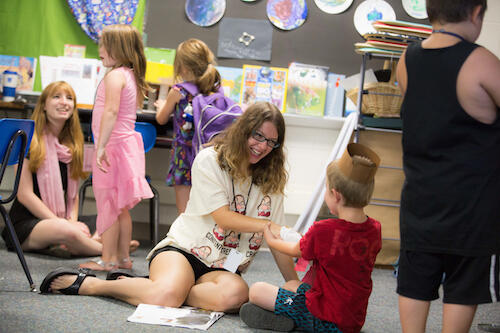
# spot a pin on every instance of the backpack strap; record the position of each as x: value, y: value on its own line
x: 190, y: 87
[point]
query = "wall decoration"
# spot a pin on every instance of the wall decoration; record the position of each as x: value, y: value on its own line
x: 231, y: 81
x: 415, y: 8
x: 93, y: 15
x: 205, y: 12
x: 245, y: 39
x: 333, y: 6
x: 287, y: 14
x: 306, y: 92
x: 263, y: 84
x: 370, y: 11
x: 25, y: 67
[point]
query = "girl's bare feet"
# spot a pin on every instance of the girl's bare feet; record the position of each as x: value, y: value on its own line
x: 99, y: 265
x: 125, y: 263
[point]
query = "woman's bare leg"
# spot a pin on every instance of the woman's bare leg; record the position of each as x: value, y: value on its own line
x: 181, y: 197
x: 218, y: 291
x: 457, y: 318
x: 413, y: 314
x: 59, y: 231
x: 170, y: 279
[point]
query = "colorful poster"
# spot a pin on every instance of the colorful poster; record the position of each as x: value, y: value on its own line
x: 306, y: 92
x: 25, y: 67
x: 231, y: 81
x: 263, y: 84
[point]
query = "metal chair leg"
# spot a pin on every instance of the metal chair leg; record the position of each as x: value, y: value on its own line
x: 82, y: 192
x: 17, y: 245
x: 154, y: 214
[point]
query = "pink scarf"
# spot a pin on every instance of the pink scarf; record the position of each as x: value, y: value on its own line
x: 49, y: 177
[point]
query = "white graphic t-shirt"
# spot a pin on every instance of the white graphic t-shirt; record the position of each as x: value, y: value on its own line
x: 196, y: 232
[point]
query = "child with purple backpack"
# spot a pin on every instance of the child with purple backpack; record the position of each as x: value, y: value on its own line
x: 194, y: 64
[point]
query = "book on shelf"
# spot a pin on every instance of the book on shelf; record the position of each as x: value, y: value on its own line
x: 231, y: 81
x: 306, y: 91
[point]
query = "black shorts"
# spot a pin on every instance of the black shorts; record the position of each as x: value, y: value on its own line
x: 199, y: 268
x: 24, y: 227
x: 466, y: 280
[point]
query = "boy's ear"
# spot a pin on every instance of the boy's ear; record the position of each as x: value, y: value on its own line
x: 476, y: 14
x: 337, y: 195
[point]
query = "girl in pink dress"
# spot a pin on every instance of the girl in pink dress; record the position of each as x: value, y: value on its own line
x: 118, y: 169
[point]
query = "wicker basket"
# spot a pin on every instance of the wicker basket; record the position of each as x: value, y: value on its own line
x: 379, y: 105
x: 383, y: 99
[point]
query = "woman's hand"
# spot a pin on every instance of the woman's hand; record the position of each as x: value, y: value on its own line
x: 101, y: 159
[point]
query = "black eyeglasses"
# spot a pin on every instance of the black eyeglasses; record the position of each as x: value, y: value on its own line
x: 261, y: 138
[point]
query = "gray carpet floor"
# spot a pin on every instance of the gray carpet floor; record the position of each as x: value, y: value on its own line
x: 25, y: 311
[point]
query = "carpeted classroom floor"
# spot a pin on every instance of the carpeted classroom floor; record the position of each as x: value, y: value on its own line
x: 25, y: 311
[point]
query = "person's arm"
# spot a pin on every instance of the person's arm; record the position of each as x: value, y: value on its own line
x: 114, y: 82
x: 487, y: 66
x: 288, y: 248
x: 401, y: 74
x: 165, y: 108
x: 27, y: 196
x: 227, y: 219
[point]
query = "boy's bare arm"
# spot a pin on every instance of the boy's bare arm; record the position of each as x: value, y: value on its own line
x: 478, y: 87
x: 288, y: 248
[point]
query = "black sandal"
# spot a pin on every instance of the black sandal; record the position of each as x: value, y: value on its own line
x: 71, y: 290
x: 114, y: 274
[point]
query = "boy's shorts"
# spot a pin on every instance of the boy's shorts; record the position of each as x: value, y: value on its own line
x: 466, y: 280
x: 293, y: 305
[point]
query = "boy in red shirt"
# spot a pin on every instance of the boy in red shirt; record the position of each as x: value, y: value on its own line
x: 343, y: 252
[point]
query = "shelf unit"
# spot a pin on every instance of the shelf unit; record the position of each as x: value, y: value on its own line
x: 379, y: 203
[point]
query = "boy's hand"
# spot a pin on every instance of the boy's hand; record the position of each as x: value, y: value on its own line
x: 268, y: 234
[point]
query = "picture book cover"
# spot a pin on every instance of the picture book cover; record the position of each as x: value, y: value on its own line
x: 160, y: 65
x: 335, y: 96
x: 231, y: 81
x: 24, y: 66
x: 306, y: 92
x: 262, y: 83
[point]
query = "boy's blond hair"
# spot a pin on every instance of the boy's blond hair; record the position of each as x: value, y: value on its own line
x: 353, y: 175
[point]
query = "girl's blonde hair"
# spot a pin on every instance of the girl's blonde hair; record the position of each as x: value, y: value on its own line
x: 194, y: 56
x: 71, y: 134
x: 233, y: 155
x: 123, y: 43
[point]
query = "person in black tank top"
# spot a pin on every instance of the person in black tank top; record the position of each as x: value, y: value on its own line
x: 450, y: 212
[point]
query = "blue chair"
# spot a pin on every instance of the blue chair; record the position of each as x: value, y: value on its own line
x: 15, y: 138
x: 148, y: 132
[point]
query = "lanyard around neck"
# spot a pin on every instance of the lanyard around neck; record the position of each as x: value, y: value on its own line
x: 441, y: 31
x: 248, y: 196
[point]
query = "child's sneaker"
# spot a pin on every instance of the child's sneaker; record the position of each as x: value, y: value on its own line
x: 257, y: 317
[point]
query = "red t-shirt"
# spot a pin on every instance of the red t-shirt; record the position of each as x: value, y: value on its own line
x: 343, y: 255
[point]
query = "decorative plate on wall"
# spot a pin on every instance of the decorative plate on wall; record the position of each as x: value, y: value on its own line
x: 370, y: 11
x: 205, y: 12
x: 333, y: 6
x: 415, y: 8
x: 287, y: 14
x: 93, y: 15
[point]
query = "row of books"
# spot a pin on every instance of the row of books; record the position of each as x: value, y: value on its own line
x: 392, y: 37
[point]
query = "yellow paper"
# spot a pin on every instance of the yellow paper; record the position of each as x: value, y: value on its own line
x: 155, y: 72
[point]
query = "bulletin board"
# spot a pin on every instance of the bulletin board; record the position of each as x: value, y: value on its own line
x: 324, y: 39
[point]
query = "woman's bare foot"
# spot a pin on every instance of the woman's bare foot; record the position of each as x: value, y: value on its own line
x: 64, y: 281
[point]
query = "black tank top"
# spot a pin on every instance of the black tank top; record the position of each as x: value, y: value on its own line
x: 450, y: 201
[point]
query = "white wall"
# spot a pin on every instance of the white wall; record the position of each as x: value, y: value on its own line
x: 490, y: 35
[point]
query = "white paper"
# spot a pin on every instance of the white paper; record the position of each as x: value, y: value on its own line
x: 352, y: 82
x: 185, y: 316
x: 233, y: 260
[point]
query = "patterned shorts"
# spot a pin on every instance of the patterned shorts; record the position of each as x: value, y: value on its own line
x: 293, y: 305
x: 180, y: 168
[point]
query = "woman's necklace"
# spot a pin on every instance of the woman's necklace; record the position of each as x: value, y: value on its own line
x: 442, y: 31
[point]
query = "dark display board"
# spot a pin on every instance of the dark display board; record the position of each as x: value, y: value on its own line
x: 324, y: 39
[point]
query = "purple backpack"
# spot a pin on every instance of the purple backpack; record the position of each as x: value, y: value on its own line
x: 212, y: 114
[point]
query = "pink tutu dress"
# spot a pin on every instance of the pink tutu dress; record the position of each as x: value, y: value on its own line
x: 124, y: 185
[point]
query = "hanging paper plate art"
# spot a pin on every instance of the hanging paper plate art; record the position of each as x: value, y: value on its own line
x: 333, y: 6
x: 287, y: 14
x: 370, y: 11
x: 415, y: 8
x: 205, y: 12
